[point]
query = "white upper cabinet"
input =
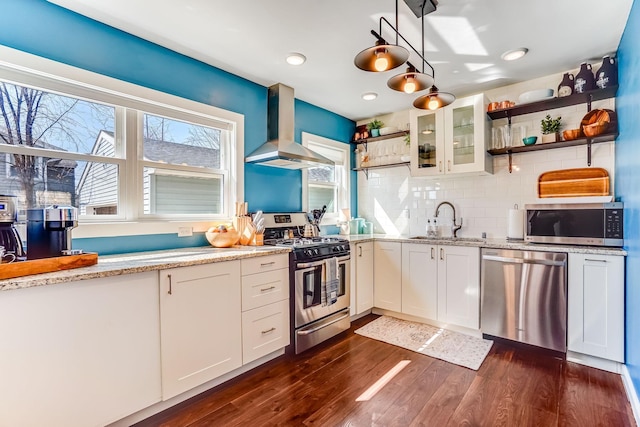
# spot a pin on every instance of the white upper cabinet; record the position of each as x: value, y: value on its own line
x: 451, y: 140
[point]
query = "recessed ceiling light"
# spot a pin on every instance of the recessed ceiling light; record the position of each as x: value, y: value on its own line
x: 512, y: 55
x: 369, y: 96
x: 296, y: 58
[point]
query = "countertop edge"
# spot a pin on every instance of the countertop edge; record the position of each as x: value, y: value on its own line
x: 140, y: 262
x: 491, y: 243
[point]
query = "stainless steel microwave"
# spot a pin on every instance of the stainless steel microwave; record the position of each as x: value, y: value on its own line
x: 594, y: 224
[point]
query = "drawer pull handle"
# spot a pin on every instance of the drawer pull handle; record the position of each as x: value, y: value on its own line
x: 595, y: 260
x: 267, y: 289
x: 268, y: 330
x: 266, y: 264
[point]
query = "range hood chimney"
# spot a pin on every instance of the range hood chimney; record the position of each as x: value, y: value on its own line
x: 281, y: 150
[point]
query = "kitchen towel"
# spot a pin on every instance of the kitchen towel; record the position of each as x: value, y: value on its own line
x: 515, y: 228
x: 331, y: 264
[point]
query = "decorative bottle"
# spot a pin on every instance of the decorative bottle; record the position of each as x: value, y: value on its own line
x: 607, y: 74
x: 584, y: 79
x: 566, y: 85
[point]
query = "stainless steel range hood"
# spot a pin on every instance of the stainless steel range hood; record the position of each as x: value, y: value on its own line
x: 281, y: 150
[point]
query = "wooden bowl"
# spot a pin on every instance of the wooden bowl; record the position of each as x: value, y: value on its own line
x: 595, y: 129
x: 220, y: 239
x: 571, y: 134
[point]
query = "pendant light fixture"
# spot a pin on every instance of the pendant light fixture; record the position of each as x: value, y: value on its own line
x: 434, y: 99
x: 410, y: 81
x: 384, y: 57
x: 381, y: 57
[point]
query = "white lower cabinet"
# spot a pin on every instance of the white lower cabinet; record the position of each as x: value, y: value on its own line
x: 442, y: 283
x: 595, y: 312
x: 200, y: 324
x: 420, y: 280
x: 361, y: 277
x: 387, y: 268
x: 83, y: 353
x: 265, y: 306
x: 459, y: 285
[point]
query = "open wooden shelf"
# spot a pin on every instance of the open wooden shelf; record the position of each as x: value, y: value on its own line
x: 549, y: 104
x: 381, y: 137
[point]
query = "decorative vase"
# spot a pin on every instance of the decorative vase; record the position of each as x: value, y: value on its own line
x: 549, y: 137
x: 566, y: 85
x: 607, y: 74
x: 375, y: 132
x: 584, y: 79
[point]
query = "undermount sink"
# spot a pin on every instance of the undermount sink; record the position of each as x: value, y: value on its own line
x: 451, y: 239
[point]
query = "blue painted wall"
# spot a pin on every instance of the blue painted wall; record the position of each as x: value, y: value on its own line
x: 44, y: 29
x: 627, y: 179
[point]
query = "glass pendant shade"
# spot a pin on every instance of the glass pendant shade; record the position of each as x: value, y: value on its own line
x: 434, y: 99
x: 410, y: 81
x: 381, y: 57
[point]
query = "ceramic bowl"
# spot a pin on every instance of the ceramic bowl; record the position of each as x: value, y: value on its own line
x: 535, y: 95
x: 529, y: 140
x: 388, y: 130
x: 220, y: 239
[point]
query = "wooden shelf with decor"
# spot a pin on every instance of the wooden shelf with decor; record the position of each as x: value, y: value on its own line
x: 388, y: 165
x: 381, y: 137
x: 549, y: 104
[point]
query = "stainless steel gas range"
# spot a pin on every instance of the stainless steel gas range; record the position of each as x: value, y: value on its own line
x: 319, y: 269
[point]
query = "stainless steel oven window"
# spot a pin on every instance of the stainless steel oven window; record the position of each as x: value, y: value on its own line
x: 312, y: 286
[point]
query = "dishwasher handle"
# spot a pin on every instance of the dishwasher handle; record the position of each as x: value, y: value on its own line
x: 524, y: 260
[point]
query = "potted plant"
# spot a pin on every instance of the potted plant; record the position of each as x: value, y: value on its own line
x: 374, y: 127
x: 550, y: 129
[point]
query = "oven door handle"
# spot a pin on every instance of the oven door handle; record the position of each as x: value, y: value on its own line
x: 317, y: 263
x: 324, y: 325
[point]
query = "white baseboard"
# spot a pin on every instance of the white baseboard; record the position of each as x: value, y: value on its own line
x: 161, y: 406
x: 631, y: 393
x: 595, y: 362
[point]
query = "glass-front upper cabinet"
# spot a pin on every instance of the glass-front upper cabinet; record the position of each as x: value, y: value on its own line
x: 427, y: 142
x: 451, y: 140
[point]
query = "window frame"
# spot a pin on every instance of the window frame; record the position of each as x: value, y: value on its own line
x: 25, y: 69
x: 343, y: 176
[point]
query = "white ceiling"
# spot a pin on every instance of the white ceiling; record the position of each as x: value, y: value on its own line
x: 463, y: 41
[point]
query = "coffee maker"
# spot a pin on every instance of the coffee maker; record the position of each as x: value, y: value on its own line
x: 49, y: 231
x: 9, y: 237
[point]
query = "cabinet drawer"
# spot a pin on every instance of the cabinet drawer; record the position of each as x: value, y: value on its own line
x: 264, y: 330
x: 265, y: 288
x: 264, y: 263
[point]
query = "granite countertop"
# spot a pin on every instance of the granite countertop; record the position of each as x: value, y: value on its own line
x: 115, y: 265
x: 491, y: 243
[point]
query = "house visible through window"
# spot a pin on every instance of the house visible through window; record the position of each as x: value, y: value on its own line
x: 111, y: 156
x: 327, y: 185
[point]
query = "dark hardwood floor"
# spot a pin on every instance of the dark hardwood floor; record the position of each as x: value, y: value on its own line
x: 514, y: 387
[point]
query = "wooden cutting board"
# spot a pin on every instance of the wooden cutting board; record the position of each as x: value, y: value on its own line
x: 46, y: 265
x: 577, y: 182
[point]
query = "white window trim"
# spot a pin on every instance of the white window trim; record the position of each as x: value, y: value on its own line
x: 344, y: 191
x: 23, y: 68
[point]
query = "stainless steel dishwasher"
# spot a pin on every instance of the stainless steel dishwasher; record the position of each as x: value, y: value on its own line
x: 524, y: 297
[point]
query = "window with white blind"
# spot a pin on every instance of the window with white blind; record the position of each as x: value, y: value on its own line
x: 326, y: 185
